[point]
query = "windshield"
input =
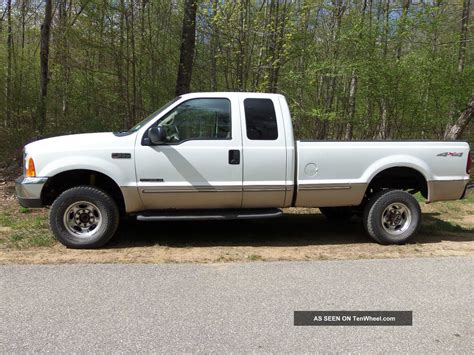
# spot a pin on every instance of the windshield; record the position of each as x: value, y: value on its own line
x: 153, y: 115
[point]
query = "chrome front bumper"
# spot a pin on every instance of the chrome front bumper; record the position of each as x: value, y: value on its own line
x: 28, y: 190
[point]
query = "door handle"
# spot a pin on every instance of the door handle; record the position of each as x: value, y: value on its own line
x: 234, y: 157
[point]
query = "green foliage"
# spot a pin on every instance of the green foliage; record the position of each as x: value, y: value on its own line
x: 25, y: 230
x: 24, y: 210
x: 112, y: 63
x: 439, y: 227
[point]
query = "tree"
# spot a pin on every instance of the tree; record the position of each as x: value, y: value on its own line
x: 401, y: 26
x: 213, y: 46
x: 8, y: 81
x: 463, y: 38
x: 454, y: 130
x: 188, y: 42
x: 349, y: 69
x: 384, y: 122
x: 44, y: 71
x: 462, y: 122
x: 352, y: 105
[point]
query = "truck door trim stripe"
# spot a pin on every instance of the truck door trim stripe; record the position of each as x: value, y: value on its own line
x: 323, y: 187
x: 263, y: 188
x: 188, y: 189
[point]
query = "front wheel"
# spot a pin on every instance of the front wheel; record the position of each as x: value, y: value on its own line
x: 84, y: 217
x: 392, y: 216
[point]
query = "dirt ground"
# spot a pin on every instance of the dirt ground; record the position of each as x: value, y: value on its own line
x: 301, y: 234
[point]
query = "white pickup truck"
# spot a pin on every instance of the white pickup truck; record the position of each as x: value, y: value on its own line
x: 233, y: 155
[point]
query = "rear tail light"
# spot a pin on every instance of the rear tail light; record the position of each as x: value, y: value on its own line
x: 469, y: 163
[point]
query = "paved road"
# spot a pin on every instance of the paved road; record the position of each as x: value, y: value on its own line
x: 240, y: 307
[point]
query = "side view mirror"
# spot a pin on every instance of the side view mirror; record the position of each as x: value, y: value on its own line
x: 157, y: 135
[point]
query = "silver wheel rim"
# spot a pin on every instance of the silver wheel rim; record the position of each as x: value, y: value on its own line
x: 396, y: 218
x: 82, y: 219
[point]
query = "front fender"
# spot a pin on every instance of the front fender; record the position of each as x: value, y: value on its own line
x: 114, y: 171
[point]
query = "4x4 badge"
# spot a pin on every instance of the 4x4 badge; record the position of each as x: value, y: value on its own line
x: 450, y: 154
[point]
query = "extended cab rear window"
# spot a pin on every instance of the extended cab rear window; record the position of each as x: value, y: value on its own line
x: 260, y: 119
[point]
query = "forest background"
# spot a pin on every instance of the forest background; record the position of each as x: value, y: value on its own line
x: 362, y: 69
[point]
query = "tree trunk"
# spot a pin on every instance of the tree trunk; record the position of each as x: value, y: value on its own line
x: 405, y: 7
x: 20, y: 69
x: 386, y: 27
x: 383, y: 127
x: 280, y: 43
x: 338, y: 12
x: 131, y: 29
x: 44, y: 73
x: 279, y: 11
x: 188, y: 41
x: 352, y: 105
x: 63, y: 55
x: 242, y: 8
x: 456, y: 130
x: 8, y: 81
x: 122, y: 63
x: 263, y: 46
x: 213, y: 44
x: 461, y: 59
x: 463, y: 41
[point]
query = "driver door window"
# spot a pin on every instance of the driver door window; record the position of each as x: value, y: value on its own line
x: 198, y: 119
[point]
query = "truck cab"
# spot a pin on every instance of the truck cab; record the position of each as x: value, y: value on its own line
x: 206, y: 155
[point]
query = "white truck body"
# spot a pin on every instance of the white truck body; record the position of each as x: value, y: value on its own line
x: 238, y: 170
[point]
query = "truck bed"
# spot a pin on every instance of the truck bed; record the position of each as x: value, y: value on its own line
x: 331, y: 173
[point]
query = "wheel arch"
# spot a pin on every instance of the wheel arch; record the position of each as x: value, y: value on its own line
x: 67, y: 179
x: 400, y: 177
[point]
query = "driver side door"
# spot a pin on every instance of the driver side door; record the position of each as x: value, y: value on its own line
x: 199, y: 164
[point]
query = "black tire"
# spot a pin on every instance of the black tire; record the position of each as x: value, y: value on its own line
x: 392, y: 216
x: 78, y: 203
x: 337, y: 214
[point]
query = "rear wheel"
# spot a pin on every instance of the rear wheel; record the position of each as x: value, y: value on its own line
x: 84, y: 217
x: 337, y: 214
x: 392, y: 216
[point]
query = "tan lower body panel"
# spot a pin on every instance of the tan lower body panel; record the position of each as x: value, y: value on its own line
x: 329, y: 195
x: 204, y: 197
x: 192, y: 200
x: 309, y: 195
x: 289, y: 196
x: 191, y: 197
x: 263, y: 196
x: 131, y: 196
x: 446, y: 190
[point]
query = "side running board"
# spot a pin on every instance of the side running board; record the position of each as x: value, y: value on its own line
x: 193, y: 215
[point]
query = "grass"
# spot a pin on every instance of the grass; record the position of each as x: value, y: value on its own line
x: 470, y: 199
x: 24, y: 229
x: 419, y: 197
x: 465, y: 201
x: 24, y: 210
x: 439, y: 226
